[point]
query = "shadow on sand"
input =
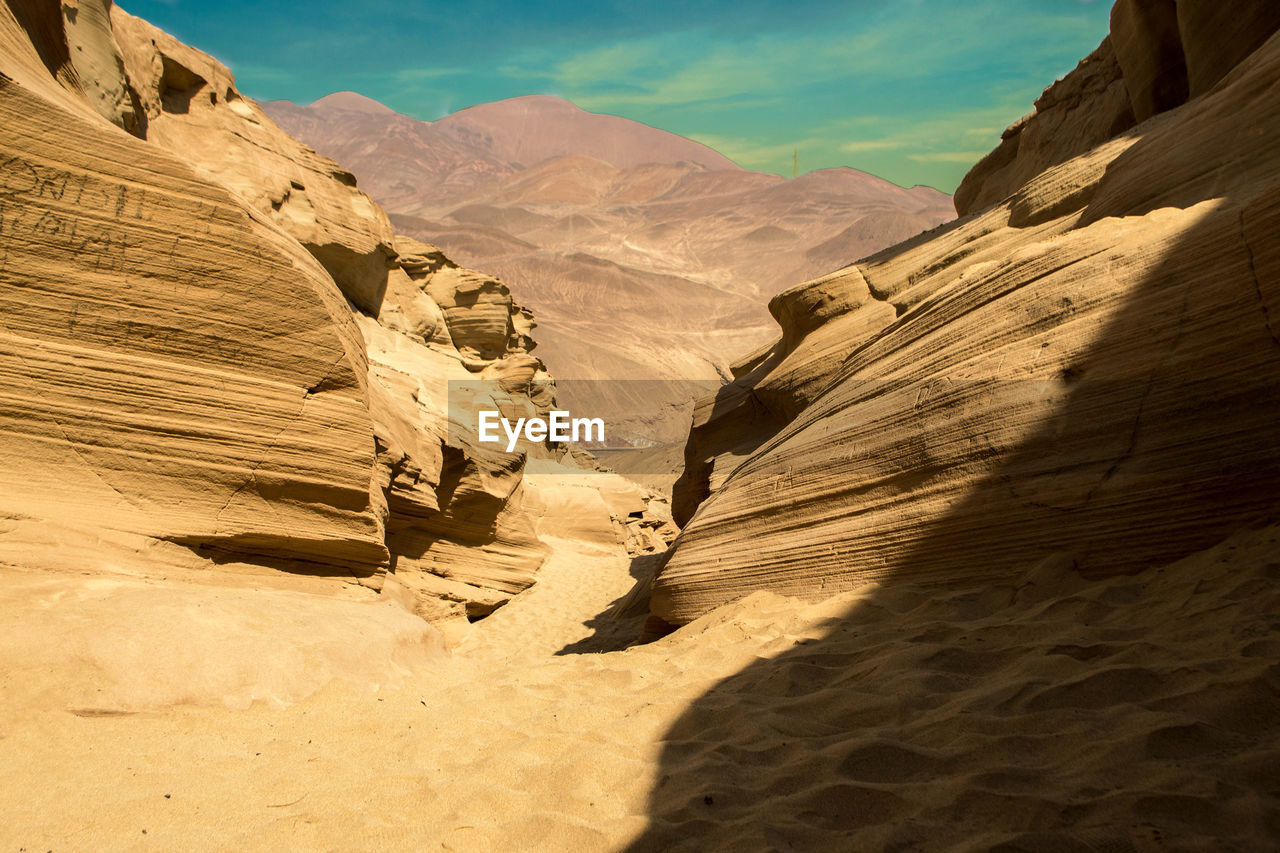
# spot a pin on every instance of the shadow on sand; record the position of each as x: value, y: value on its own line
x: 1047, y: 713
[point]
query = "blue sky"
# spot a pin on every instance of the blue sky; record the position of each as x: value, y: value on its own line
x: 912, y: 90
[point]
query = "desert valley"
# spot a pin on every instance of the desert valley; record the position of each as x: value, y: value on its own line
x: 953, y: 523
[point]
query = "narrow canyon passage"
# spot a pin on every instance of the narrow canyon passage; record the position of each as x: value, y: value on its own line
x: 505, y: 745
x: 952, y: 522
x: 880, y: 717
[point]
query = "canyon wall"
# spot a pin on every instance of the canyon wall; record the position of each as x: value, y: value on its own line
x: 1084, y: 365
x: 218, y: 358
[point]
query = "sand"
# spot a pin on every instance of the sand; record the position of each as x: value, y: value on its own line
x: 1134, y: 714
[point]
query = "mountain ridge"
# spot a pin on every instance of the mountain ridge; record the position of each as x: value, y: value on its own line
x: 476, y: 184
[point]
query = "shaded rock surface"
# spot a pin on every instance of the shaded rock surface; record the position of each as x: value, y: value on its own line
x: 1087, y: 366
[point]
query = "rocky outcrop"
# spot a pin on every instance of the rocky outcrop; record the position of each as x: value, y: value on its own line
x: 1217, y: 36
x: 192, y: 108
x: 1158, y: 54
x: 175, y: 366
x: 1087, y: 367
x: 1079, y: 112
x: 186, y: 388
x: 482, y: 319
x: 1148, y: 48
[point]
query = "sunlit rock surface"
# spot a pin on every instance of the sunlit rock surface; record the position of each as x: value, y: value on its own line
x: 1087, y: 366
x: 195, y: 380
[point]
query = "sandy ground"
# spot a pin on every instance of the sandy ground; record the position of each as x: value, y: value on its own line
x: 1138, y: 714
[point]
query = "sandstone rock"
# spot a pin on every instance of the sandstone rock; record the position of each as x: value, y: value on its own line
x: 458, y: 538
x: 194, y: 110
x: 1218, y: 36
x: 821, y: 321
x: 187, y: 390
x: 1082, y: 110
x: 1087, y: 368
x: 482, y: 319
x: 408, y: 309
x: 76, y: 45
x: 1148, y: 48
x: 175, y: 366
x: 98, y: 64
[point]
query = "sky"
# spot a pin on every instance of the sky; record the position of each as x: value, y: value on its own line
x: 915, y: 91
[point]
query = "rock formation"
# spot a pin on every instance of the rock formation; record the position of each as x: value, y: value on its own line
x: 1085, y: 364
x: 193, y: 110
x: 186, y: 387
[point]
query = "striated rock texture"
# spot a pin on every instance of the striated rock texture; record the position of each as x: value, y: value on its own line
x: 1082, y: 110
x: 1159, y: 53
x: 193, y: 109
x: 1089, y: 367
x: 186, y: 391
x: 174, y: 366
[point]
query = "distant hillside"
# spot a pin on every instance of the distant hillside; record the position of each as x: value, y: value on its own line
x: 644, y: 254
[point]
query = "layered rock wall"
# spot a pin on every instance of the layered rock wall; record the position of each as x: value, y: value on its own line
x: 187, y: 385
x: 193, y: 109
x: 1085, y: 368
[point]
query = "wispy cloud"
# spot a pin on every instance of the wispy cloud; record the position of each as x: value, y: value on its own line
x: 881, y: 90
x: 908, y: 89
x: 416, y: 75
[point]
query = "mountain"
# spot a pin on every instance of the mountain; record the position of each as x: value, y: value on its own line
x: 591, y: 216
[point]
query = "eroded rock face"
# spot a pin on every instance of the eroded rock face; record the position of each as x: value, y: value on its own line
x: 1148, y: 48
x: 1218, y: 36
x: 175, y: 366
x: 1082, y: 110
x: 457, y: 533
x: 186, y: 390
x: 1088, y: 367
x: 193, y: 109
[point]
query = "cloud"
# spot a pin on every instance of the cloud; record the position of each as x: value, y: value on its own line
x: 414, y: 75
x: 859, y: 145
x: 911, y: 90
x: 697, y: 66
x: 756, y: 154
x: 967, y: 157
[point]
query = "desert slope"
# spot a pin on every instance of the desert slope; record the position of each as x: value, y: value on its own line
x: 645, y: 256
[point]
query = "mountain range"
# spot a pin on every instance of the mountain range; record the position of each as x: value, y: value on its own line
x: 644, y: 255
